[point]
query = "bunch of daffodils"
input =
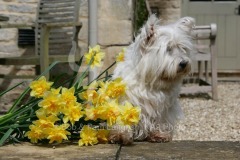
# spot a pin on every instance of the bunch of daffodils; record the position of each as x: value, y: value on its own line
x: 56, y: 113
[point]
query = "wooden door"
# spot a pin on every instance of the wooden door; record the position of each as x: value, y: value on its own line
x: 225, y: 13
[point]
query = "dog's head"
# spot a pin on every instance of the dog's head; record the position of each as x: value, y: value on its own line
x: 163, y: 52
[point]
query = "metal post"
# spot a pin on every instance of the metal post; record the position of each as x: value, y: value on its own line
x: 92, y: 32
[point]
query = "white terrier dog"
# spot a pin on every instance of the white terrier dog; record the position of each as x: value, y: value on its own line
x: 153, y: 69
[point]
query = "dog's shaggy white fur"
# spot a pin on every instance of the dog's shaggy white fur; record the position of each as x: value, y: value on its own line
x: 153, y: 69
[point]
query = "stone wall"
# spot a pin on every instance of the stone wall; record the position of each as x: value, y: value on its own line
x: 19, y: 11
x: 169, y: 10
x: 114, y: 25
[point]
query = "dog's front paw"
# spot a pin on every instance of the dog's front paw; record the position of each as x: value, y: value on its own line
x: 121, y: 137
x: 157, y: 137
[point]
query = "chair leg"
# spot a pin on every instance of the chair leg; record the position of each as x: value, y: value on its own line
x: 206, y: 72
x: 44, y: 50
x: 214, y: 69
x: 200, y: 71
x: 37, y: 70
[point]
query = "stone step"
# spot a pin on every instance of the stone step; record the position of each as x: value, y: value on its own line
x: 211, y: 150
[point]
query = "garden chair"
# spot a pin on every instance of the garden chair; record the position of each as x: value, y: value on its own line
x: 205, y: 37
x: 56, y: 35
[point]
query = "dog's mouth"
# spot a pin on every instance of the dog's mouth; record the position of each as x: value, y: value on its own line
x: 181, y: 71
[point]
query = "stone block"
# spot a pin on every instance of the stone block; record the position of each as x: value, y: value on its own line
x: 84, y: 47
x: 115, y: 9
x: 22, y: 8
x: 10, y: 48
x: 9, y: 0
x: 8, y: 34
x: 28, y: 1
x: 28, y: 18
x: 63, y: 151
x: 114, y: 31
x: 175, y: 4
x: 83, y: 8
x: 111, y: 53
x: 3, y: 7
x: 182, y: 150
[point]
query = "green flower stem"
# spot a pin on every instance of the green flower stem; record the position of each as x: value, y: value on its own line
x: 103, y: 72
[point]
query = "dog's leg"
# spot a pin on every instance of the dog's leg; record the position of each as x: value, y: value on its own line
x: 159, y: 137
x: 121, y: 135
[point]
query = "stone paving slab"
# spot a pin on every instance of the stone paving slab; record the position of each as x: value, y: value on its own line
x: 177, y: 150
x: 182, y: 150
x: 28, y: 151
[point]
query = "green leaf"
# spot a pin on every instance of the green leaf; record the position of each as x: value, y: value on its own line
x: 80, y: 79
x: 15, y: 139
x: 18, y: 100
x: 56, y: 80
x: 47, y: 70
x: 2, y: 93
x: 76, y: 72
x: 11, y: 116
x: 6, y: 136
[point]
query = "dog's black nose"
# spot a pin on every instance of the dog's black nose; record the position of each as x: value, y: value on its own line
x: 183, y: 64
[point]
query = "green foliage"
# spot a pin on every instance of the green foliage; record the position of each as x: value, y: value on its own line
x: 140, y: 14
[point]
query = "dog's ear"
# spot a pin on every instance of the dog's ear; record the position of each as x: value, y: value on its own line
x: 186, y: 24
x: 149, y: 29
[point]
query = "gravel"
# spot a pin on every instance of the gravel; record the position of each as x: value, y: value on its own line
x: 208, y: 120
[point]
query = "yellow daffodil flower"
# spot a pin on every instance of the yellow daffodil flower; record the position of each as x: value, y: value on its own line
x: 36, y: 133
x: 88, y: 136
x: 116, y: 88
x: 121, y: 55
x: 46, y: 121
x: 52, y: 103
x: 130, y: 115
x: 102, y: 135
x: 110, y: 112
x: 56, y: 91
x: 68, y: 95
x: 89, y: 95
x: 58, y: 133
x: 96, y: 55
x: 91, y: 113
x: 73, y: 113
x: 39, y: 87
